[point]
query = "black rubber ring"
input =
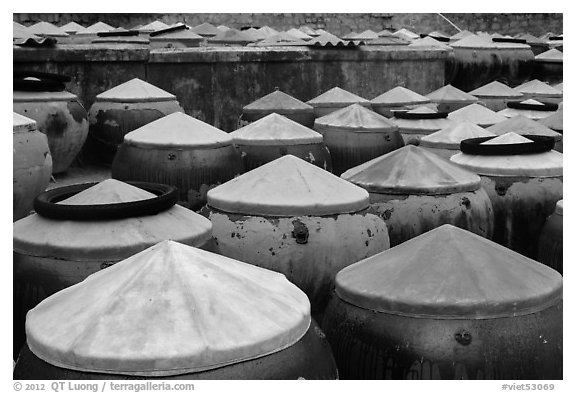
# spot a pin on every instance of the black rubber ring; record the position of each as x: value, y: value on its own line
x: 128, y: 33
x: 533, y: 107
x: 46, y: 204
x: 556, y: 38
x: 539, y: 144
x: 37, y: 85
x: 168, y: 30
x: 419, y: 116
x: 437, y: 38
x: 41, y: 75
x: 511, y: 40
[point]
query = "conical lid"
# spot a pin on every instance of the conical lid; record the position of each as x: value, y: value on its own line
x: 20, y: 31
x: 255, y: 34
x: 222, y: 27
x: 42, y: 96
x: 287, y: 187
x: 406, y: 33
x: 350, y: 36
x: 268, y: 31
x: 522, y: 125
x: 153, y: 26
x: 552, y: 55
x: 412, y: 170
x: 336, y: 96
x: 537, y: 87
x: 439, y: 34
x: 23, y: 123
x: 450, y: 273
x: 555, y: 121
x: 559, y: 86
x: 206, y: 30
x: 170, y: 309
x: 45, y: 28
x: 496, y: 89
x: 178, y: 130
x: 530, y: 39
x: 110, y: 240
x: 308, y: 31
x: 232, y: 36
x: 299, y: 34
x: 400, y: 96
x: 274, y: 130
x: 450, y: 137
x: 420, y: 126
x: 97, y: 27
x: 72, y: 27
x: 474, y: 42
x: 460, y: 35
x: 450, y: 93
x: 322, y: 31
x: 477, y: 114
x: 547, y: 164
x: 135, y: 90
x: 277, y: 101
x: 529, y: 113
x: 356, y: 118
x: 366, y: 35
x: 429, y: 41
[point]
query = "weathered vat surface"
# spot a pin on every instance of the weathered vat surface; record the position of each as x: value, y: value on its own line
x: 550, y: 245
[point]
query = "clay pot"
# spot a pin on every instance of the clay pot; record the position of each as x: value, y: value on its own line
x: 550, y: 245
x: 447, y: 305
x: 194, y: 314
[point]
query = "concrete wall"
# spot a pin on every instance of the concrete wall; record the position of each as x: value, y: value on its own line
x: 213, y: 84
x: 339, y: 24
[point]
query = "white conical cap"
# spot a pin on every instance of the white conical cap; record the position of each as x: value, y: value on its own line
x: 553, y: 55
x: 277, y: 101
x: 366, y: 35
x: 97, y: 27
x: 429, y: 41
x: 107, y: 192
x: 178, y: 130
x: 206, y: 30
x: 268, y: 31
x: 460, y: 35
x: 555, y: 121
x: 336, y: 95
x: 45, y: 28
x: 475, y: 42
x: 135, y: 90
x: 450, y: 93
x: 168, y: 310
x: 72, y: 27
x: 406, y: 33
x: 477, y: 114
x: 538, y: 87
x: 153, y: 26
x: 274, y: 130
x: 287, y: 187
x: 496, y: 89
x: 527, y: 112
x: 400, y: 95
x: 299, y: 34
x: 507, y: 139
x: 522, y: 125
x: 356, y: 118
x: 450, y: 137
x: 22, y: 123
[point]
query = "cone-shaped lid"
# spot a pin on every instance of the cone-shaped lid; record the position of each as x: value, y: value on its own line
x: 268, y: 31
x: 255, y: 33
x: 20, y: 31
x: 474, y: 42
x: 450, y: 273
x: 178, y: 34
x: 170, y: 309
x: 552, y: 55
x: 274, y: 130
x: 178, y: 130
x: 110, y: 240
x: 429, y: 41
x: 366, y: 35
x: 286, y: 187
x: 496, y: 89
x: 460, y: 35
x: 439, y: 34
x: 232, y: 36
x: 555, y: 121
x: 406, y: 33
x: 222, y: 27
x: 531, y: 113
x: 522, y: 125
x: 45, y: 28
x: 400, y: 96
x: 72, y: 27
x: 538, y: 87
x: 153, y: 26
x: 277, y: 101
x: 356, y: 118
x: 42, y: 96
x: 559, y: 86
x: 338, y: 96
x: 206, y: 30
x: 282, y: 39
x: 350, y: 36
x: 97, y: 27
x: 308, y: 31
x: 299, y: 34
x: 135, y: 90
x: 530, y: 39
x: 322, y: 31
x: 547, y: 164
x: 477, y: 114
x: 23, y: 123
x: 412, y: 170
x: 451, y: 136
x: 419, y: 126
x: 450, y: 93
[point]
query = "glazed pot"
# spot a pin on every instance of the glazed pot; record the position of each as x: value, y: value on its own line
x: 355, y: 135
x: 56, y: 247
x: 419, y: 122
x: 31, y: 165
x: 122, y: 109
x: 58, y: 114
x: 415, y: 191
x: 523, y: 178
x: 297, y: 219
x: 246, y: 323
x: 281, y: 103
x: 275, y: 136
x: 421, y: 310
x: 335, y: 99
x: 550, y: 245
x: 181, y: 151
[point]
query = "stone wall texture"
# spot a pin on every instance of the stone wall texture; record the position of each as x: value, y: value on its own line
x: 339, y: 24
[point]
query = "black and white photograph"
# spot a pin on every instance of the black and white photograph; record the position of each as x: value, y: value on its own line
x: 275, y: 196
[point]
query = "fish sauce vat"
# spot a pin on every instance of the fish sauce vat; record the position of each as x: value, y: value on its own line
x: 176, y: 312
x: 419, y: 122
x: 398, y: 99
x: 122, y: 109
x: 281, y: 103
x: 415, y: 191
x: 58, y: 114
x: 523, y: 178
x: 334, y: 99
x: 275, y: 136
x: 297, y: 219
x: 57, y: 248
x: 550, y: 244
x: 447, y: 304
x: 355, y: 135
x: 446, y: 142
x: 181, y: 151
x: 495, y: 95
x: 31, y: 165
